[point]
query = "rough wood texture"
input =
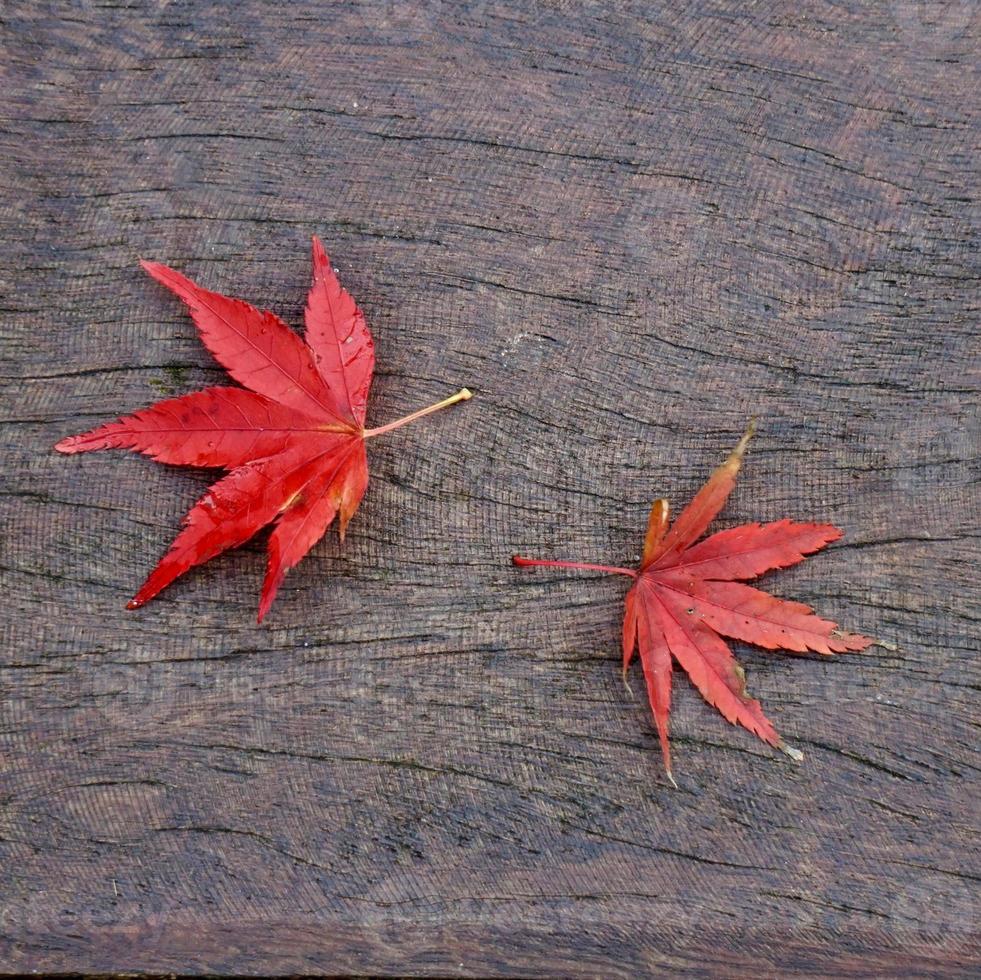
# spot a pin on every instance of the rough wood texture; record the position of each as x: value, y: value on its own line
x: 628, y: 227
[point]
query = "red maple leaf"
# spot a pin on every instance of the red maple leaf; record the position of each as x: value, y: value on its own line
x: 687, y: 596
x: 294, y: 442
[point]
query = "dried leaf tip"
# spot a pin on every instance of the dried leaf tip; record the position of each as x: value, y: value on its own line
x: 885, y: 644
x: 657, y: 527
x: 737, y: 454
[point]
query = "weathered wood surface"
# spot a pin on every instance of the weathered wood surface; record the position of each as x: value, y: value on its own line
x: 628, y: 227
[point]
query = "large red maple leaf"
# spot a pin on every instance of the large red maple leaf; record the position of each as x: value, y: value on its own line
x: 294, y: 442
x: 686, y: 597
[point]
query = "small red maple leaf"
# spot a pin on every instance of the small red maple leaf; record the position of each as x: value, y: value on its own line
x: 294, y: 442
x: 687, y: 596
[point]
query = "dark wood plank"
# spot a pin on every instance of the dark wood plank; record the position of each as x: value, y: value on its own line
x: 628, y: 227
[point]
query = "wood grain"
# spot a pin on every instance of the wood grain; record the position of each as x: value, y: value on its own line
x: 628, y: 227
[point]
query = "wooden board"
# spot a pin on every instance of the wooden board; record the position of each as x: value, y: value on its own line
x: 629, y: 228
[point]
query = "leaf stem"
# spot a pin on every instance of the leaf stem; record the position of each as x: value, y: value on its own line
x: 585, y: 566
x: 461, y: 396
